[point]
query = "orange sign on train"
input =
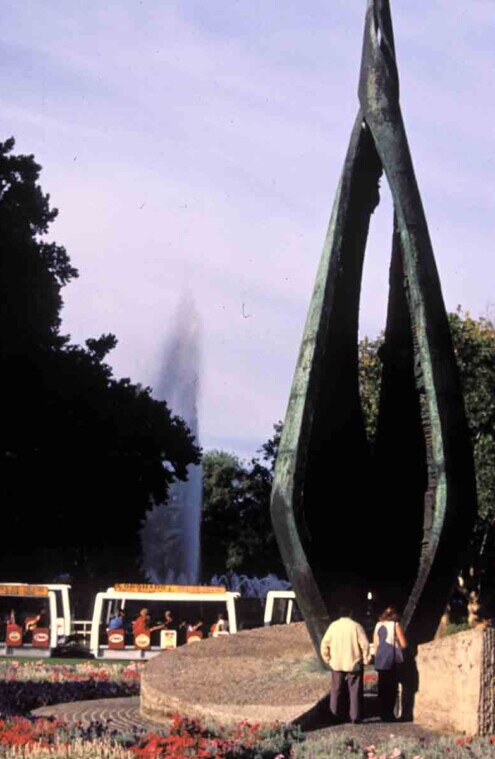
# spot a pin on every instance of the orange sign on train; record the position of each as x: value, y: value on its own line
x: 129, y: 587
x: 23, y: 590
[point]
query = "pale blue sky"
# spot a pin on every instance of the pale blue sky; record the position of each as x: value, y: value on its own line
x: 199, y: 143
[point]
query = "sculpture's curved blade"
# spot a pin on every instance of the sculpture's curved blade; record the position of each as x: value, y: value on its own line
x: 335, y: 502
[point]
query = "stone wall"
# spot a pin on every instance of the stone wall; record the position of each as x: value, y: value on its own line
x: 456, y: 683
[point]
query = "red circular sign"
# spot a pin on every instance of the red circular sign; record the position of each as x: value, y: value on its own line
x: 142, y: 640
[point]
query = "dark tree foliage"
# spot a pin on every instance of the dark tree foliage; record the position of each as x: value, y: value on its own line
x: 223, y: 474
x: 236, y: 531
x: 83, y: 454
x: 474, y: 346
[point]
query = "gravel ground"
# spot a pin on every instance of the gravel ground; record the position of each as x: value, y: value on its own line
x: 275, y: 666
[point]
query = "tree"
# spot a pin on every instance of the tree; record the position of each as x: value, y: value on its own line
x: 236, y: 530
x: 82, y: 453
x: 474, y: 345
x: 223, y: 474
x: 258, y: 536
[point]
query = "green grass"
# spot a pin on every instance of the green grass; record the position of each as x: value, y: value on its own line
x: 63, y: 660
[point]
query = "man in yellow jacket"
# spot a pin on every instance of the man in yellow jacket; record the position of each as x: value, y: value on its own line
x: 346, y: 649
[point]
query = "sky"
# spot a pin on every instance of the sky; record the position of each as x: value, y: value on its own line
x: 195, y: 146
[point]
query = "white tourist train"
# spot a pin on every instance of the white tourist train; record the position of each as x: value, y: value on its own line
x: 274, y: 598
x: 24, y: 633
x: 140, y: 602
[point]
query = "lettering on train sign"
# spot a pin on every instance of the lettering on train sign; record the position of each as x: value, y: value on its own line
x: 24, y: 590
x: 194, y: 636
x: 142, y: 641
x: 116, y: 639
x: 168, y: 639
x: 41, y: 637
x: 128, y: 587
x: 13, y: 635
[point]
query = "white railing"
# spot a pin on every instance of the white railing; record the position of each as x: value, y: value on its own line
x: 82, y: 627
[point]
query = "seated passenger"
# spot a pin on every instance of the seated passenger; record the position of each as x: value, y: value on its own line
x: 166, y: 624
x: 221, y: 625
x: 194, y: 633
x: 6, y: 619
x: 118, y: 621
x: 142, y: 623
x: 38, y: 620
x: 31, y: 623
x: 181, y: 633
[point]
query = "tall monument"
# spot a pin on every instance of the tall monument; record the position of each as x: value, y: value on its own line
x: 170, y: 534
x: 394, y: 518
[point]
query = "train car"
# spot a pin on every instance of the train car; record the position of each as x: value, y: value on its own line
x: 64, y: 621
x: 28, y: 620
x: 144, y: 632
x: 279, y: 607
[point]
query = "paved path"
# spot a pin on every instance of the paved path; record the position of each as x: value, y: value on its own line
x: 123, y: 713
x: 125, y: 717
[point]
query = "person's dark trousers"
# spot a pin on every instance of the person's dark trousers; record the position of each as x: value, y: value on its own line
x: 353, y: 683
x: 387, y: 693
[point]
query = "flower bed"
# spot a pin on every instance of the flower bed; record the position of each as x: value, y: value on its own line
x: 37, y: 738
x: 28, y: 685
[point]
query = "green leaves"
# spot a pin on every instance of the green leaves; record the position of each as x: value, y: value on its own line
x: 236, y: 532
x: 474, y: 345
x: 82, y: 453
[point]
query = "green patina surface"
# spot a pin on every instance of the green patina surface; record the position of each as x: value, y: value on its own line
x: 316, y: 427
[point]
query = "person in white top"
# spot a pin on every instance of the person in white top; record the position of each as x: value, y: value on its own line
x: 389, y: 641
x: 345, y: 648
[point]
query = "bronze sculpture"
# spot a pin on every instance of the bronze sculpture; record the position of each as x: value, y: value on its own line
x: 332, y: 536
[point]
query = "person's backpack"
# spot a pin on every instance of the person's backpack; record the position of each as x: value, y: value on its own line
x: 387, y: 655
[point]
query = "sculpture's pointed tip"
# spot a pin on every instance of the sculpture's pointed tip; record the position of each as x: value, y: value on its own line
x: 378, y: 77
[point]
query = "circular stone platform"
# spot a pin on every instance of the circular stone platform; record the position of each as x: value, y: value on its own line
x: 261, y: 675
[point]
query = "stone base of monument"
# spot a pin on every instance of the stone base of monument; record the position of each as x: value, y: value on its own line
x: 456, y: 688
x: 260, y: 675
